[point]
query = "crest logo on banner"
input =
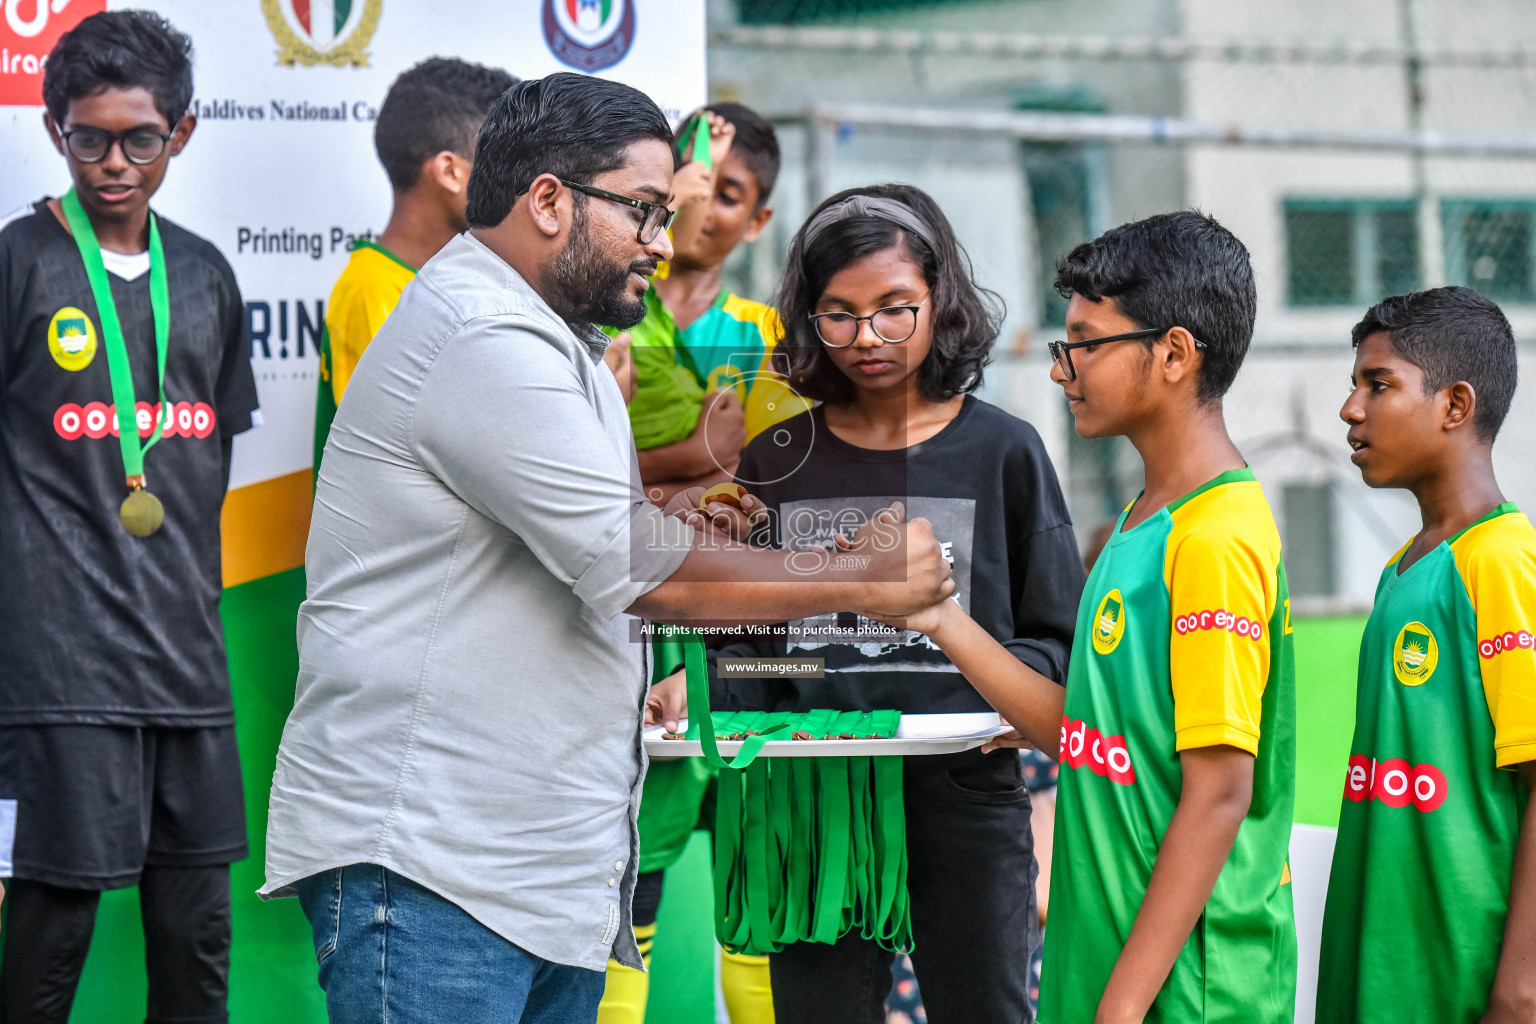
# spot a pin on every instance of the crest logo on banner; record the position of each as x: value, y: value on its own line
x: 311, y: 32
x: 28, y: 30
x: 589, y: 35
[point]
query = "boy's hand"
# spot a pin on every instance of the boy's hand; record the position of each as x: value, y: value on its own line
x: 667, y: 702
x: 619, y: 359
x: 904, y: 552
x: 693, y: 181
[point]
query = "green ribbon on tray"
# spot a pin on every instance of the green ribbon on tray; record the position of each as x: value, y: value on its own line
x: 806, y: 848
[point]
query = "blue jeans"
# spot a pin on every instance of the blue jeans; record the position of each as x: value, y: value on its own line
x: 393, y: 952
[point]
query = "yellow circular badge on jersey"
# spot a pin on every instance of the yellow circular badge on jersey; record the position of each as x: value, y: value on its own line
x: 1415, y: 654
x: 1109, y: 623
x: 72, y: 339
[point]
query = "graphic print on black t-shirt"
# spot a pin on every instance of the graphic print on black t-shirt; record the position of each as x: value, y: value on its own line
x: 809, y: 523
x: 987, y: 485
x: 99, y: 626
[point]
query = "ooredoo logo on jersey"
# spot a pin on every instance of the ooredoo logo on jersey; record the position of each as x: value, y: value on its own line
x: 589, y: 35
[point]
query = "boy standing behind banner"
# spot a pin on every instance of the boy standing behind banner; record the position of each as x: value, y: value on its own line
x: 701, y: 392
x: 1431, y: 910
x: 124, y: 376
x: 425, y: 138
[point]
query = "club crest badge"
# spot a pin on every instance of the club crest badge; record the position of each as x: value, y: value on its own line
x: 1415, y: 654
x: 311, y: 32
x: 1109, y: 623
x: 589, y: 35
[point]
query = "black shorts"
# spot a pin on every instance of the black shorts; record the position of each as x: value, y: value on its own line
x: 96, y: 803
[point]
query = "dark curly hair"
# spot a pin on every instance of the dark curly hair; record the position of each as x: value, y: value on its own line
x: 437, y: 105
x: 1452, y: 334
x: 120, y: 50
x: 965, y: 316
x: 1180, y: 269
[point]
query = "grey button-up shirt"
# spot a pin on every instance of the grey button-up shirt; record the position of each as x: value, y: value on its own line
x: 469, y: 699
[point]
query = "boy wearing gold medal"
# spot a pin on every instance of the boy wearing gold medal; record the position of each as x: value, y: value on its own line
x: 124, y: 377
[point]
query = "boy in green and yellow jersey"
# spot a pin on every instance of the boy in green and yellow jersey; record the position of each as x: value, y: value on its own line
x: 703, y: 388
x: 1431, y: 912
x: 425, y: 137
x: 1176, y: 730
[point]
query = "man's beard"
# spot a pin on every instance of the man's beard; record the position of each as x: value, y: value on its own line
x: 592, y: 289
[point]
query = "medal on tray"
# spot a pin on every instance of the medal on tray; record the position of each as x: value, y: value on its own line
x: 141, y: 512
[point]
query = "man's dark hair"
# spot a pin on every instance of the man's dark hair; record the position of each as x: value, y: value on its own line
x: 965, y: 316
x: 437, y: 105
x: 1452, y: 334
x: 755, y: 140
x: 120, y: 50
x: 569, y: 125
x: 1174, y: 270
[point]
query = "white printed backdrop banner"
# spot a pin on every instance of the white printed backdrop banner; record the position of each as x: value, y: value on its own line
x: 281, y: 172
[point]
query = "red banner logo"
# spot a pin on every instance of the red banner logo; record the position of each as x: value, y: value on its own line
x: 1084, y: 747
x: 1395, y: 783
x: 28, y: 31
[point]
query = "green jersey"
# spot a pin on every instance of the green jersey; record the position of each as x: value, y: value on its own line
x: 676, y: 368
x: 1183, y: 641
x: 1447, y: 700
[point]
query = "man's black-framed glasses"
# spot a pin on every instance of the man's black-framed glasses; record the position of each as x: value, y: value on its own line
x: 1061, y: 351
x: 892, y: 325
x: 91, y: 145
x: 655, y: 219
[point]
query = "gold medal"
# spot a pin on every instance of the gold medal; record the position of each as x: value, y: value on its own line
x: 141, y: 512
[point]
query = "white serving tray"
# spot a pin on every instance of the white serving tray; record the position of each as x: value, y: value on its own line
x: 917, y: 734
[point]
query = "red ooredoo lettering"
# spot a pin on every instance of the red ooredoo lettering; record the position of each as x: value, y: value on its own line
x: 1395, y: 783
x: 1085, y: 747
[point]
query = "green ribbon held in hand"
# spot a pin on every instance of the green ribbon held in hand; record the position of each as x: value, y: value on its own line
x: 141, y: 512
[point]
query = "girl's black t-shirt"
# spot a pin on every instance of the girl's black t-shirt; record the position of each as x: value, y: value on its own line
x: 987, y: 485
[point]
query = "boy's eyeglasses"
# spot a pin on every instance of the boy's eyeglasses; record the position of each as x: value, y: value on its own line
x: 1061, y: 351
x: 91, y: 145
x: 656, y: 217
x: 892, y: 325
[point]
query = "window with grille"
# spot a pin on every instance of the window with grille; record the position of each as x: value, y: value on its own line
x: 1349, y: 252
x: 1307, y: 514
x: 1488, y: 247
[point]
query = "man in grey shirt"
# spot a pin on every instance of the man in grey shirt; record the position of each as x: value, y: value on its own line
x: 455, y: 795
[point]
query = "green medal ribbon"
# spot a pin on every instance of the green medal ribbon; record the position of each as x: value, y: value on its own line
x: 806, y: 848
x: 141, y: 512
x: 698, y: 127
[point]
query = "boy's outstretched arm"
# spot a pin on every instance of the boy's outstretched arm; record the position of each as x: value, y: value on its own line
x: 1513, y: 998
x: 1218, y: 788
x: 1029, y: 701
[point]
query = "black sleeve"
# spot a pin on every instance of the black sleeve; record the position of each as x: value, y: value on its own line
x: 1045, y: 568
x: 234, y: 394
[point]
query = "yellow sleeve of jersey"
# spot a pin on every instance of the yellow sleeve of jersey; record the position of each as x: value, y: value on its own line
x: 771, y: 400
x: 1220, y: 568
x: 1497, y: 561
x: 352, y: 322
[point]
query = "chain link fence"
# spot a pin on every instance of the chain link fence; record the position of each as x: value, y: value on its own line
x: 1359, y: 149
